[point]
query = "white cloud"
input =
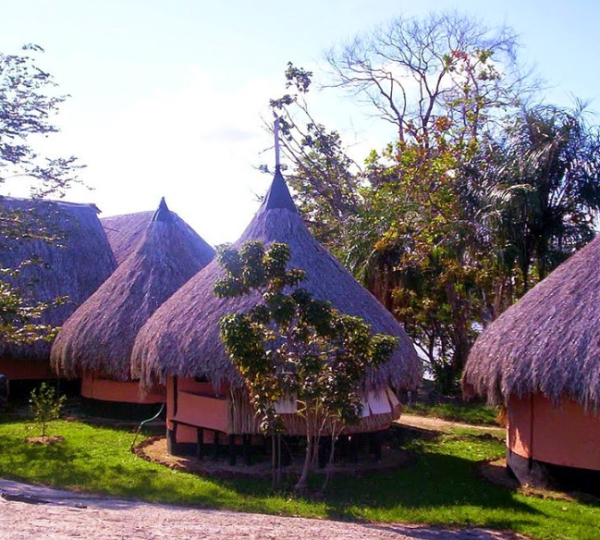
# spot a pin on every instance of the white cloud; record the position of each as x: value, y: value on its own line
x: 197, y: 147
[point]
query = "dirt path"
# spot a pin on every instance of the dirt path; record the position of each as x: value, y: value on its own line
x: 437, y: 424
x: 32, y: 512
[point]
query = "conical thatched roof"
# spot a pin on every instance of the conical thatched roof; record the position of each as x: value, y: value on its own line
x: 75, y: 264
x: 182, y: 338
x: 100, y: 334
x: 549, y: 341
x: 125, y: 232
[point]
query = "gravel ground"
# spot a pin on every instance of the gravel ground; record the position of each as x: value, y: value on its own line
x: 32, y: 512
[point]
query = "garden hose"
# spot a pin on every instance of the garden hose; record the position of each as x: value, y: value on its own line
x: 143, y: 422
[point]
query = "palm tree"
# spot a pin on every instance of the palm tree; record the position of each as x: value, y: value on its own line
x: 545, y: 189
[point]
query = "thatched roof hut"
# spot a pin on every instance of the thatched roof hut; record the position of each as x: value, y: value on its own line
x: 541, y: 359
x: 125, y: 232
x: 99, y: 336
x: 74, y: 264
x: 548, y: 342
x: 182, y: 338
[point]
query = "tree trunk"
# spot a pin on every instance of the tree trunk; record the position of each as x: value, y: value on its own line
x: 303, y: 480
x: 276, y: 460
x: 329, y: 473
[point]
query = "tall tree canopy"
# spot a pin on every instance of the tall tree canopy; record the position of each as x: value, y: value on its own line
x: 28, y: 104
x: 415, y: 72
x: 479, y: 195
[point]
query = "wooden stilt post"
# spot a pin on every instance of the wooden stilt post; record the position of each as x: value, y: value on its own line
x: 216, y: 446
x: 375, y: 444
x: 199, y: 443
x: 247, y: 450
x: 343, y: 447
x: 324, y: 445
x: 232, y: 459
x: 354, y: 448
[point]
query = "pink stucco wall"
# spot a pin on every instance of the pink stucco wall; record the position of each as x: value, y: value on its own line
x: 124, y: 392
x: 192, y: 404
x: 198, y: 403
x: 25, y: 369
x: 564, y: 435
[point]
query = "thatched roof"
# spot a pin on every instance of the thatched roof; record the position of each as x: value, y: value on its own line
x: 125, y: 232
x: 549, y: 341
x: 182, y: 338
x: 100, y: 334
x: 75, y: 264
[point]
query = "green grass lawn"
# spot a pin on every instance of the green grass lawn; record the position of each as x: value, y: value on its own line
x: 441, y: 486
x: 476, y: 414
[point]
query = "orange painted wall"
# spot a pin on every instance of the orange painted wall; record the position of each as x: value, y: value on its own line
x: 124, y: 392
x: 25, y: 369
x: 209, y: 412
x: 518, y: 431
x: 563, y: 435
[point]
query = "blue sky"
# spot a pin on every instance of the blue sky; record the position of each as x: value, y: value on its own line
x: 167, y: 95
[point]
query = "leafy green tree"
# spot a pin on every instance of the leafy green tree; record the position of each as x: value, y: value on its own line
x: 479, y: 195
x: 46, y: 406
x: 28, y: 104
x: 292, y: 346
x: 425, y: 251
x: 411, y: 231
x: 409, y: 234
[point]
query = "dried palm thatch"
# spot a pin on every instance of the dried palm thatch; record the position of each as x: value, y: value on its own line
x: 74, y: 263
x: 182, y: 338
x: 125, y: 232
x: 548, y: 342
x: 99, y: 336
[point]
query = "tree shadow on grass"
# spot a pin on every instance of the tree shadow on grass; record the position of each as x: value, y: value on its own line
x: 52, y: 463
x: 434, y: 481
x: 14, y: 418
x: 437, y: 487
x: 76, y: 466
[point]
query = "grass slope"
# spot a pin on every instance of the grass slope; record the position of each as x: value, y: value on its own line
x: 440, y: 487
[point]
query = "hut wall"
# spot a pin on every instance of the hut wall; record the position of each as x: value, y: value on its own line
x: 192, y: 404
x: 125, y: 392
x: 564, y: 435
x: 26, y: 369
x: 519, y: 426
x: 198, y: 403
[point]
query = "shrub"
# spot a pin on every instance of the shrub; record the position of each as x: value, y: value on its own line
x: 46, y: 405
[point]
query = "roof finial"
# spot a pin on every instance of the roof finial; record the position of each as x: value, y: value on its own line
x: 162, y: 213
x: 278, y: 195
x: 276, y: 133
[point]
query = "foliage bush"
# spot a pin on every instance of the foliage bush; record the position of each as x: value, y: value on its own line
x: 46, y: 406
